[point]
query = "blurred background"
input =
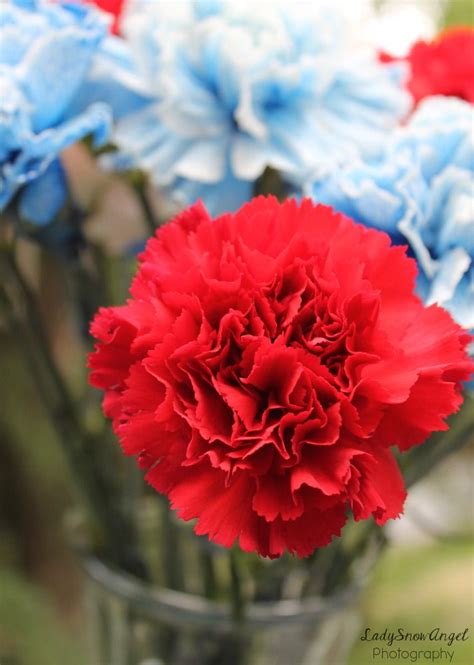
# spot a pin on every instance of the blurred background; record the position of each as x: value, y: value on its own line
x: 425, y: 578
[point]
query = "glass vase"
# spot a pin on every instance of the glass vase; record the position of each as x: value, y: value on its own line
x: 199, y: 604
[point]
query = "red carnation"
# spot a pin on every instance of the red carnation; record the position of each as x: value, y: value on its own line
x: 265, y: 364
x: 444, y: 66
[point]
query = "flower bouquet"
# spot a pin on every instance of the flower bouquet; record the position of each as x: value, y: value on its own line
x: 293, y: 340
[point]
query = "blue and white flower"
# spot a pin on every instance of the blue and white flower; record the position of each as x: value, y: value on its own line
x: 421, y: 192
x: 237, y: 88
x: 46, y: 50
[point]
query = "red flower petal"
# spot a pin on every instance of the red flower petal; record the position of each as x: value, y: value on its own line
x: 265, y: 364
x: 444, y: 66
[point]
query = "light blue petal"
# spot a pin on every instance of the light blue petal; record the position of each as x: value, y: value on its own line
x: 41, y: 149
x: 450, y: 270
x: 15, y: 124
x: 42, y: 199
x: 53, y: 70
x: 112, y: 78
x: 453, y: 210
x: 96, y: 121
x: 461, y: 305
x: 226, y: 196
x: 205, y: 8
x: 26, y: 4
x: 14, y: 43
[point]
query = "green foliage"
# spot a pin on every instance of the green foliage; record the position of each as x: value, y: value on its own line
x: 458, y: 12
x: 419, y: 589
x: 30, y: 631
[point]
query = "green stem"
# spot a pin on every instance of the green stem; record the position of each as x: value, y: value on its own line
x: 235, y: 587
x: 14, y: 273
x: 168, y: 637
x: 173, y: 564
x: 149, y: 215
x: 206, y: 562
x: 80, y: 446
x: 25, y: 342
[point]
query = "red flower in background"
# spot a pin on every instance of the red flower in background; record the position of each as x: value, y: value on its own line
x: 114, y: 7
x: 265, y: 364
x: 444, y: 66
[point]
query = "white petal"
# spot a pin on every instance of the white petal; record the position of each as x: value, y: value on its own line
x: 203, y: 161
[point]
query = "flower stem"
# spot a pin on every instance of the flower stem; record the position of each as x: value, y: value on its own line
x: 173, y: 564
x: 206, y: 563
x: 149, y: 215
x: 80, y: 446
x: 235, y: 587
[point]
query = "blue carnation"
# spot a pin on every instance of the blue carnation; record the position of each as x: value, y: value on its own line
x: 46, y: 50
x: 421, y: 192
x: 236, y: 89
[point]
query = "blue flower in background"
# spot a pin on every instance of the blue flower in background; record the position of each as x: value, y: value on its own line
x: 46, y: 50
x: 236, y: 88
x: 421, y: 192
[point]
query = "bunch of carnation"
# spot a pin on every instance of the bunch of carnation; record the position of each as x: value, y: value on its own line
x: 272, y: 355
